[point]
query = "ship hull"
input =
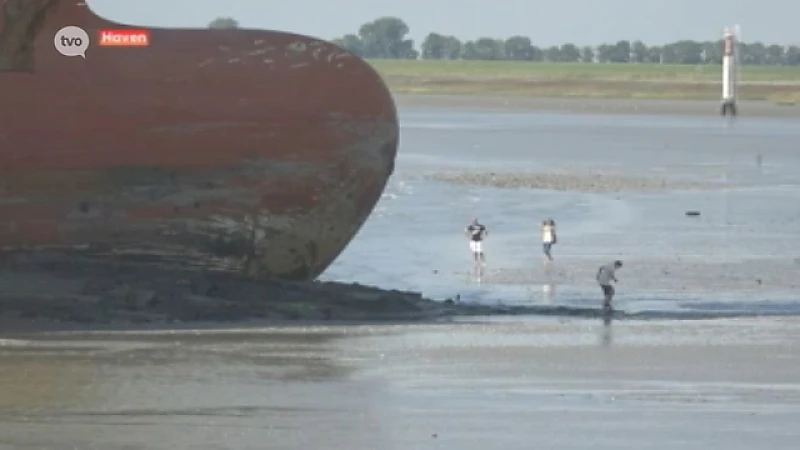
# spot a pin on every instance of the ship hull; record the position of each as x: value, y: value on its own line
x: 254, y: 151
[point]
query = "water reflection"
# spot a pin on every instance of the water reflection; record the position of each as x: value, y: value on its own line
x: 400, y: 386
x: 548, y: 287
x: 143, y: 389
x: 606, y: 331
x: 548, y: 293
x: 476, y: 275
x: 32, y: 382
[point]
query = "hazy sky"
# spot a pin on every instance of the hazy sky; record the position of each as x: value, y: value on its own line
x: 545, y: 22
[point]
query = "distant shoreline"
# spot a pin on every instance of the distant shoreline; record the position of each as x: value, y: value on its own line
x: 591, y: 105
x: 779, y: 85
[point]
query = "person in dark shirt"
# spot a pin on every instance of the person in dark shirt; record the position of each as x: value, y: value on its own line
x: 476, y: 233
x: 607, y: 274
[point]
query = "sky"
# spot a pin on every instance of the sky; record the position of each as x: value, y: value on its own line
x: 553, y: 22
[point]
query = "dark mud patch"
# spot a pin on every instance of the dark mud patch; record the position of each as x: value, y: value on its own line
x: 70, y: 292
x: 88, y: 292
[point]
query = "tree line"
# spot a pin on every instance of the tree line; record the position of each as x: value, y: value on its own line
x: 386, y: 38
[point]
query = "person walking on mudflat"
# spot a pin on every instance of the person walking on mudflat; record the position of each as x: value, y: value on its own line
x: 548, y: 238
x: 607, y: 274
x: 476, y: 233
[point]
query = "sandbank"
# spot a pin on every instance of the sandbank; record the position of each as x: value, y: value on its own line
x: 572, y: 181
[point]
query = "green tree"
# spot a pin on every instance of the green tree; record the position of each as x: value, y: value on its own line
x: 712, y: 52
x: 569, y: 53
x: 793, y: 55
x: 352, y: 43
x: 454, y: 49
x: 752, y: 53
x: 654, y: 54
x: 638, y: 52
x: 604, y: 53
x: 486, y: 49
x: 518, y: 48
x: 669, y: 54
x: 385, y: 38
x: 620, y: 52
x: 774, y: 55
x: 433, y: 47
x: 587, y: 54
x: 552, y: 53
x: 437, y: 46
x: 223, y: 23
x: 688, y: 52
x: 470, y: 51
x: 537, y: 54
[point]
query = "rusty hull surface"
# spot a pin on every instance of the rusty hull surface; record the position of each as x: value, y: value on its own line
x: 255, y: 151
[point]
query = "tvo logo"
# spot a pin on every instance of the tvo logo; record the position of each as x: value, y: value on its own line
x: 72, y: 41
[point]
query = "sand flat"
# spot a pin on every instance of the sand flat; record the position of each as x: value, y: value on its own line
x: 619, y: 187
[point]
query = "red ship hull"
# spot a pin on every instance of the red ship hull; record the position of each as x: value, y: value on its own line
x: 255, y: 151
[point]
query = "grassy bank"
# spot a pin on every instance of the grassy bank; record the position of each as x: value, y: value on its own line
x: 542, y: 79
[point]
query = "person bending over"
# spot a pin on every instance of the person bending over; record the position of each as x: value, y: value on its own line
x: 607, y: 274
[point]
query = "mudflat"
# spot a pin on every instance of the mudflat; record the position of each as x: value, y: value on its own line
x: 555, y: 383
x: 698, y: 206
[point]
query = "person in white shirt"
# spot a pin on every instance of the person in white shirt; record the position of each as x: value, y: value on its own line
x: 605, y: 275
x: 476, y: 232
x: 548, y: 238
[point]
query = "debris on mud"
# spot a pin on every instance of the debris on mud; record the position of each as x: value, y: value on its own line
x: 577, y: 182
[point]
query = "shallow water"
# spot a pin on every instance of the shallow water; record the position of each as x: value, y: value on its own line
x: 413, y: 240
x: 564, y: 384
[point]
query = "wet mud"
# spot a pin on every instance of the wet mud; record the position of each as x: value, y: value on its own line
x: 39, y: 290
